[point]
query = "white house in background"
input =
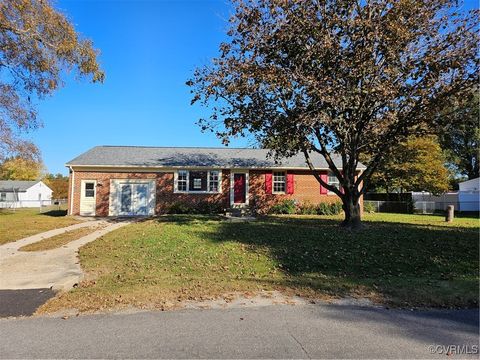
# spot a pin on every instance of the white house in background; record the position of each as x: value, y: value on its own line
x: 15, y: 194
x: 469, y: 195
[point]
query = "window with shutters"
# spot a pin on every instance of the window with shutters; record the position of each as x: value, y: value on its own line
x: 332, y: 180
x: 279, y: 182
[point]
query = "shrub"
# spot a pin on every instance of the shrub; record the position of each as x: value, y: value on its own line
x: 307, y: 209
x: 208, y: 207
x: 201, y: 207
x: 368, y: 207
x: 284, y: 207
x: 180, y: 207
x: 323, y: 209
x: 336, y: 208
x: 329, y: 209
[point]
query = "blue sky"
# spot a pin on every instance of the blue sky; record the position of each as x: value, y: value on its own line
x: 148, y: 50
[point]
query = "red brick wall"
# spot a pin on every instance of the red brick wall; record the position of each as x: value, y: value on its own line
x: 164, y: 196
x: 306, y: 189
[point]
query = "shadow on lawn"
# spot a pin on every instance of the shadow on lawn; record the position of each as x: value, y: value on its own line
x: 55, y: 213
x: 393, y: 259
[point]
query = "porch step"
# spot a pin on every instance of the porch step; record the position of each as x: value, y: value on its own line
x: 238, y: 212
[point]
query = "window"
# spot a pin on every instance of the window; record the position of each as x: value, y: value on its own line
x: 279, y: 182
x: 332, y: 180
x: 197, y: 184
x: 198, y: 181
x: 213, y: 181
x: 3, y: 196
x: 182, y: 181
x: 89, y: 189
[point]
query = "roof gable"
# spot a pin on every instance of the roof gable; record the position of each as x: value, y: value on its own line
x: 17, y: 185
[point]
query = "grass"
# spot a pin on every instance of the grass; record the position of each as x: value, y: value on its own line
x: 21, y: 223
x: 59, y: 240
x: 401, y: 260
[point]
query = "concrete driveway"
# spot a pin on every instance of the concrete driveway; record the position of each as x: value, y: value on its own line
x: 57, y: 269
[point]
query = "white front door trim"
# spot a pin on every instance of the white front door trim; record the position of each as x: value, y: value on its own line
x: 247, y: 187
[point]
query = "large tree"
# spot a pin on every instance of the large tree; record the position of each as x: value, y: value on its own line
x: 459, y: 133
x: 37, y: 44
x: 337, y: 76
x: 59, y: 184
x: 18, y: 168
x: 417, y: 164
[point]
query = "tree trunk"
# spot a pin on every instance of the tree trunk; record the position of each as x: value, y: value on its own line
x: 351, y: 207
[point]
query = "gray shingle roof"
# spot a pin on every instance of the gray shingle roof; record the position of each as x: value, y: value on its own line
x: 18, y: 185
x: 140, y: 156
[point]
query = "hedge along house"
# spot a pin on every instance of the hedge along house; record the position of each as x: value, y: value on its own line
x: 140, y: 181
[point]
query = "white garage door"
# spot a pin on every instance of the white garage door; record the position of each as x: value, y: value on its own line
x: 132, y: 198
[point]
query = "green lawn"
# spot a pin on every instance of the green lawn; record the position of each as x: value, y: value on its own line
x: 15, y: 225
x: 401, y: 260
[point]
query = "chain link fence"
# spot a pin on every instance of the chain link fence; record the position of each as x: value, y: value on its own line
x: 387, y: 206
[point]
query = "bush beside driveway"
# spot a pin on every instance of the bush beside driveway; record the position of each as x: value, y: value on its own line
x: 400, y: 260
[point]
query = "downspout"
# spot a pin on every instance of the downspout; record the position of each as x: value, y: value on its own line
x: 71, y: 192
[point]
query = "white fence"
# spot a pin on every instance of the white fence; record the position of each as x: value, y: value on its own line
x: 461, y: 200
x: 419, y: 207
x: 25, y: 204
x: 12, y: 205
x: 424, y: 207
x: 441, y: 201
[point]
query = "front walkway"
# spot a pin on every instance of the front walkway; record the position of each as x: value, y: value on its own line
x: 58, y: 269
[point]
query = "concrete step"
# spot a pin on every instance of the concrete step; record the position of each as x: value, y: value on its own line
x: 239, y: 212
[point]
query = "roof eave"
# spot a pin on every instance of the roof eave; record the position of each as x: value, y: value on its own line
x: 69, y: 165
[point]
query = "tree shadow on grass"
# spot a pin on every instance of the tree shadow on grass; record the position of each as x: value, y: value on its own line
x: 55, y: 213
x: 409, y: 264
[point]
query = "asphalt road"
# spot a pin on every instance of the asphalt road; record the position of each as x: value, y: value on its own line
x: 23, y: 302
x: 281, y: 331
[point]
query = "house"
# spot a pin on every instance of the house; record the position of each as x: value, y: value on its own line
x: 15, y: 194
x: 135, y: 180
x: 469, y: 195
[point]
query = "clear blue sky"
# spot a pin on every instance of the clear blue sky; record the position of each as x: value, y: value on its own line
x: 148, y: 50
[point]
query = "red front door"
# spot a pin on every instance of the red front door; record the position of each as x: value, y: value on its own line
x: 239, y: 188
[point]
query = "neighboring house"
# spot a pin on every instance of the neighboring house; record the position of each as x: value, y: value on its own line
x: 16, y: 193
x: 122, y: 180
x: 469, y: 195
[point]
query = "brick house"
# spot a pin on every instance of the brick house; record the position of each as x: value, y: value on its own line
x: 134, y: 180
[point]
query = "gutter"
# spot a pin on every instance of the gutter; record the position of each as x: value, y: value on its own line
x: 181, y: 167
x: 70, y: 206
